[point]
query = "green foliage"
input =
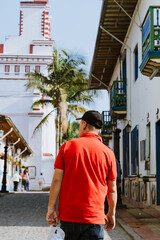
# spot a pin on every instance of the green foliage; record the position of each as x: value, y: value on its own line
x: 64, y: 88
x: 72, y: 131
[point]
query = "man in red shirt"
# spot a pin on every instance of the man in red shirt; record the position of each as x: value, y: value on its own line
x: 85, y: 171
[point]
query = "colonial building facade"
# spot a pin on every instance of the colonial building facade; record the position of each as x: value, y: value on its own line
x: 30, y: 51
x: 127, y: 63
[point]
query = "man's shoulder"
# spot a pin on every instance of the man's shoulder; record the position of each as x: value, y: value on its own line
x: 73, y: 141
x: 110, y: 151
x: 71, y: 144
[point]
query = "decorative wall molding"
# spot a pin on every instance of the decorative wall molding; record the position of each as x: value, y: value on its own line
x: 42, y: 23
x: 47, y: 155
x: 1, y: 48
x: 10, y: 79
x: 21, y: 23
x: 35, y: 114
x: 23, y: 59
x: 33, y: 4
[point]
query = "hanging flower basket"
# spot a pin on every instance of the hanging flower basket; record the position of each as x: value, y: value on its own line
x: 11, y: 160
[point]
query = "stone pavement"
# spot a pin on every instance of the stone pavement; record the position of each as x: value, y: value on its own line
x: 140, y: 221
x: 22, y: 216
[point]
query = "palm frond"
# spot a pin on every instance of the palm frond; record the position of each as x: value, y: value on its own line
x: 42, y: 122
x: 76, y: 109
x: 38, y: 77
x: 73, y: 113
x: 40, y: 102
x: 63, y: 87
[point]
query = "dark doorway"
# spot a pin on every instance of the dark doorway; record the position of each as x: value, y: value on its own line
x: 116, y: 143
x: 134, y: 152
x: 125, y: 155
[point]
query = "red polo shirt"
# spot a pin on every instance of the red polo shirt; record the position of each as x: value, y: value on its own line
x: 87, y: 163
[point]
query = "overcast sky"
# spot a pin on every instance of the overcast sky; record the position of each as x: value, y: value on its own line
x: 74, y: 28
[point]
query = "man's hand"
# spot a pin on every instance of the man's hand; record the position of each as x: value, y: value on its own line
x: 112, y: 200
x: 52, y: 217
x: 110, y: 222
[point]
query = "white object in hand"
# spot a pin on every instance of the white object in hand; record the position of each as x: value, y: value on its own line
x: 56, y: 233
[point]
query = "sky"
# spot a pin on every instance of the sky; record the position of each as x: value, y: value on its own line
x: 74, y: 28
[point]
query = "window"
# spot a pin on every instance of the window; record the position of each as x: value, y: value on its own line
x: 37, y: 69
x: 17, y: 68
x: 27, y: 68
x: 7, y: 68
x: 136, y: 62
x: 148, y: 141
x: 143, y: 149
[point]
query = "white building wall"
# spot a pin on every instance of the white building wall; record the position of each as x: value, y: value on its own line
x: 143, y: 93
x: 34, y: 32
x: 16, y: 101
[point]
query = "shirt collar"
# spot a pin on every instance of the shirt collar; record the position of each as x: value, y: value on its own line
x: 91, y: 135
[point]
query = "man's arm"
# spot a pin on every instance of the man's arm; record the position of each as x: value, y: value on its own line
x: 112, y: 201
x: 52, y: 216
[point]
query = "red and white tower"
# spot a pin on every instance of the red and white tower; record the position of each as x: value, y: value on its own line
x: 40, y: 10
x: 28, y: 52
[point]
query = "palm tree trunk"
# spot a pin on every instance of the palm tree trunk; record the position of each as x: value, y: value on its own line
x: 57, y: 137
x: 57, y: 130
x: 60, y: 130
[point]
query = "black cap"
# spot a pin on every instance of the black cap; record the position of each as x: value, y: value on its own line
x: 93, y: 118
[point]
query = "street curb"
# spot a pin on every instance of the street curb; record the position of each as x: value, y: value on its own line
x: 6, y: 194
x: 128, y: 229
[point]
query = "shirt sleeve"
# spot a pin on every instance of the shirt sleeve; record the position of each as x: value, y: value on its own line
x: 59, y: 163
x: 112, y: 170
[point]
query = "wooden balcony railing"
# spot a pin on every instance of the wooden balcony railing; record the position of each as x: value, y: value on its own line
x: 118, y: 97
x: 106, y: 129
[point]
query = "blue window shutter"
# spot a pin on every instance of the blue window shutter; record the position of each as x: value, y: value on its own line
x: 125, y: 153
x: 134, y: 151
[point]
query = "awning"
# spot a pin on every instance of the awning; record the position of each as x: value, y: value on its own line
x: 107, y: 49
x: 14, y: 136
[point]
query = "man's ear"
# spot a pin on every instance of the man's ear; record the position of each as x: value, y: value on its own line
x: 84, y: 125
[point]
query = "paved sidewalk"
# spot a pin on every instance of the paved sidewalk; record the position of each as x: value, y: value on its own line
x: 140, y: 221
x: 22, y: 216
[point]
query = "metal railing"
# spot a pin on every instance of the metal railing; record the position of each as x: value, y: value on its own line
x: 119, y: 95
x: 106, y: 129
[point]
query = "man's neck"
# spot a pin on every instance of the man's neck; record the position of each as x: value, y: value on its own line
x: 94, y: 132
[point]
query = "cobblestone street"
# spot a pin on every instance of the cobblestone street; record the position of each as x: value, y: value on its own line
x: 23, y: 217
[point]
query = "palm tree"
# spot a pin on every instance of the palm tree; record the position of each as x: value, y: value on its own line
x: 72, y: 131
x: 63, y: 88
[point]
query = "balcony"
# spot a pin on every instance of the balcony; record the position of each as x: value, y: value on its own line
x: 118, y: 99
x: 150, y: 65
x: 107, y: 128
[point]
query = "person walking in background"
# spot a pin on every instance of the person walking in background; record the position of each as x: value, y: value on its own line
x: 24, y: 179
x: 41, y: 181
x: 118, y: 181
x: 27, y: 182
x: 119, y: 172
x: 81, y: 169
x: 16, y: 179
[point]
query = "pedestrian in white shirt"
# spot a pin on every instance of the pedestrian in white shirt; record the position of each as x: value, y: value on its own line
x: 41, y: 181
x: 16, y: 179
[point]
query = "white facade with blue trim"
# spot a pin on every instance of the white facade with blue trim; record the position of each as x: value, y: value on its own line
x: 140, y: 160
